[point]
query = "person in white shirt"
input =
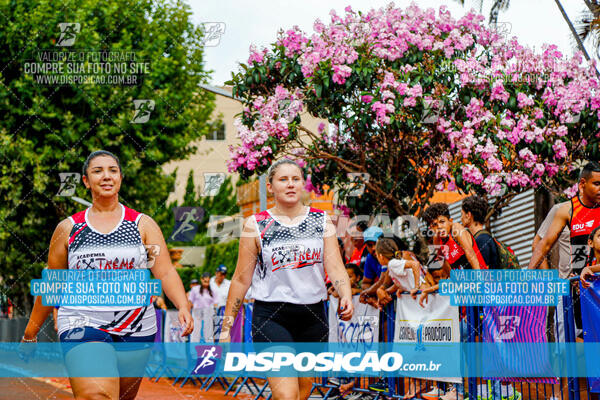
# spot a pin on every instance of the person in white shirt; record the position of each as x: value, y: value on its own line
x: 284, y: 254
x: 220, y: 286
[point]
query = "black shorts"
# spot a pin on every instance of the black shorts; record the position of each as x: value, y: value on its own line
x: 287, y: 322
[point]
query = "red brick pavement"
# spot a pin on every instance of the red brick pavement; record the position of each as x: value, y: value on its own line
x: 59, y: 389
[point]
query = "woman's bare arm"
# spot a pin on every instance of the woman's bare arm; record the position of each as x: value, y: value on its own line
x: 57, y: 259
x: 242, y: 276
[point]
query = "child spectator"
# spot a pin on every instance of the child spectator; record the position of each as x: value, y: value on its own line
x: 372, y: 268
x: 594, y: 258
x: 355, y: 276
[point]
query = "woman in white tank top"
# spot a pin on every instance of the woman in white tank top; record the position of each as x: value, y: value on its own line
x: 108, y: 236
x: 284, y: 253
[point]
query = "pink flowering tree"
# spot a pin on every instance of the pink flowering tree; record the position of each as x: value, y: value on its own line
x: 421, y: 102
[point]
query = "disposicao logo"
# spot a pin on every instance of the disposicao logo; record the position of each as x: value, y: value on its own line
x: 207, y: 359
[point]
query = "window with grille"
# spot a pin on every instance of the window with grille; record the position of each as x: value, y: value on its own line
x: 218, y: 133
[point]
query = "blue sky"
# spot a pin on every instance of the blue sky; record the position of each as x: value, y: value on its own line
x: 534, y: 22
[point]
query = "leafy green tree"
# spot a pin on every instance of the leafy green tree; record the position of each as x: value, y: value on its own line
x: 47, y: 129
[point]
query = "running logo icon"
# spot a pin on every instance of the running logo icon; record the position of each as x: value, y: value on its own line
x: 68, y: 183
x: 508, y: 327
x: 212, y: 183
x: 357, y: 183
x: 143, y: 109
x: 207, y: 359
x: 68, y: 33
x: 186, y: 223
x: 212, y: 33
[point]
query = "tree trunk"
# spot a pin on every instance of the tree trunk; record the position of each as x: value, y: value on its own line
x: 573, y: 31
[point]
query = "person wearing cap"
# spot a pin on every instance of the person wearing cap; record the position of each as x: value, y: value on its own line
x: 372, y: 268
x: 220, y: 286
x: 202, y: 296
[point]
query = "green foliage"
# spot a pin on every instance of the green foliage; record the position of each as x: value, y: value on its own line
x: 216, y: 254
x: 50, y: 129
x: 221, y: 253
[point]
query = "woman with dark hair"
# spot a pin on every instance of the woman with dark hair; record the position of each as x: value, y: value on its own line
x: 202, y: 296
x: 108, y: 236
x: 284, y: 252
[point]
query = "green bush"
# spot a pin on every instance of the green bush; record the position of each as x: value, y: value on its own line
x: 221, y: 253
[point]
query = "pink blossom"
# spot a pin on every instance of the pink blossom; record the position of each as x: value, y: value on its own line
x: 341, y: 72
x: 572, y: 191
x: 366, y: 98
x: 551, y: 169
x: 410, y: 102
x: 524, y: 100
x: 472, y: 174
x: 498, y: 92
x: 562, y: 131
x: 528, y: 157
x: 415, y: 91
x: 492, y: 185
x: 321, y: 128
x: 486, y: 151
x: 494, y: 164
x: 560, y: 150
x: 538, y: 169
x: 256, y: 56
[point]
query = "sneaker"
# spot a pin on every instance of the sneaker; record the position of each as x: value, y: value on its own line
x: 379, y: 386
x: 433, y: 394
x: 452, y: 394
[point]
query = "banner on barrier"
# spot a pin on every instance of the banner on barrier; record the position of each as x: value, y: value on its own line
x: 203, y: 325
x: 590, y: 304
x: 236, y: 331
x: 517, y: 324
x: 436, y: 323
x: 362, y: 328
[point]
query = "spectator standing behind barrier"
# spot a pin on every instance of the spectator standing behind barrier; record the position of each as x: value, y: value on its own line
x: 581, y: 215
x: 5, y: 306
x: 202, y: 296
x: 220, y: 286
x: 563, y: 244
x: 360, y: 252
x: 473, y: 212
x: 193, y: 283
x: 460, y: 250
x: 372, y: 267
x: 457, y: 245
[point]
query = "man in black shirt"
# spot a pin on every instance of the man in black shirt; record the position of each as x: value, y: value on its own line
x: 473, y: 212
